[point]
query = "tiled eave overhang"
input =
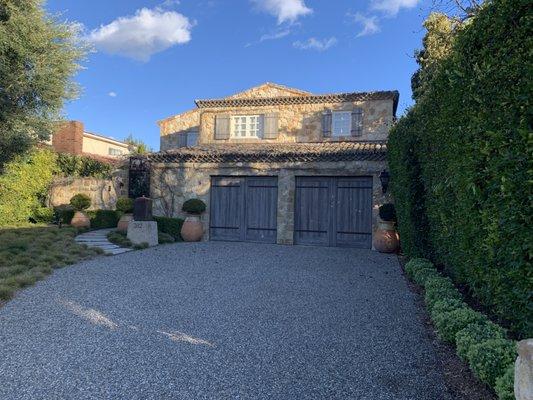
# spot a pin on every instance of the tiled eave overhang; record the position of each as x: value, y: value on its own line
x: 288, y: 100
x: 275, y: 153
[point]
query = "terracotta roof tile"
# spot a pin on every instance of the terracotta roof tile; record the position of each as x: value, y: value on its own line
x: 275, y: 152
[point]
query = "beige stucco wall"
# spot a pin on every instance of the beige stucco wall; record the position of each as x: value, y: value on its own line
x: 172, y: 184
x: 101, y: 147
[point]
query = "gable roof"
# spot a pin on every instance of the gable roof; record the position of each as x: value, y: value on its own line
x: 275, y: 152
x: 266, y: 89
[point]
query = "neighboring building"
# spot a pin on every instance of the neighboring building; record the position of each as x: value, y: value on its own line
x: 72, y: 138
x: 278, y: 165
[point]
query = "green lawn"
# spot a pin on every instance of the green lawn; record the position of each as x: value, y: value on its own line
x: 30, y: 254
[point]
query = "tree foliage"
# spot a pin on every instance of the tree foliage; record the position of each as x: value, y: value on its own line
x: 462, y: 162
x: 38, y: 57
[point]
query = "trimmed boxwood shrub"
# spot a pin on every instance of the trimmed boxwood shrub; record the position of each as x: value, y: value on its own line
x: 490, y: 359
x: 446, y: 305
x: 387, y: 212
x: 80, y: 202
x: 171, y: 226
x: 451, y: 322
x: 65, y: 212
x: 124, y: 205
x: 460, y: 163
x: 194, y: 206
x: 474, y: 334
x: 504, y: 386
x: 440, y: 288
x: 416, y: 265
x: 165, y: 238
x: 101, y: 219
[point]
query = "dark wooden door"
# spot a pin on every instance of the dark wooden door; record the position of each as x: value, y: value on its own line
x: 244, y: 209
x: 333, y: 211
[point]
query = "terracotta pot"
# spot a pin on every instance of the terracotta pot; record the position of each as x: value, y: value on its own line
x: 386, y: 238
x: 80, y: 220
x: 192, y: 229
x: 123, y: 222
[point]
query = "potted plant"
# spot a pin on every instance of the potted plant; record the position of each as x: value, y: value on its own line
x: 125, y: 206
x: 386, y: 238
x: 192, y: 229
x: 80, y: 202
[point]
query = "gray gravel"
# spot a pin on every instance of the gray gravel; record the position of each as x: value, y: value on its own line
x: 220, y: 321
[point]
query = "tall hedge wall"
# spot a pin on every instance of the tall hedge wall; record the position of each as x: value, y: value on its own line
x: 461, y: 164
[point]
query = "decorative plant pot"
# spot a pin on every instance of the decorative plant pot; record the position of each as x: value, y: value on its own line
x: 80, y: 220
x: 386, y: 238
x: 123, y: 222
x: 192, y: 229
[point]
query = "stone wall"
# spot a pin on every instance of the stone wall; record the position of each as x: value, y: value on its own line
x: 176, y: 125
x: 103, y: 192
x: 172, y: 184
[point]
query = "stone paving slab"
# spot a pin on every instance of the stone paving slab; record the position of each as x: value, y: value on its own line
x: 98, y: 239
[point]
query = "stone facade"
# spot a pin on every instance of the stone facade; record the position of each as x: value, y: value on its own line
x: 297, y: 122
x: 172, y: 184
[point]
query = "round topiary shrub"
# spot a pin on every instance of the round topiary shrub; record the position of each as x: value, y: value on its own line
x: 194, y: 206
x: 451, y: 322
x: 504, y: 386
x: 440, y: 288
x: 423, y: 275
x: 490, y: 359
x: 416, y: 264
x: 474, y: 334
x: 446, y: 305
x: 387, y: 212
x: 80, y: 202
x: 125, y: 205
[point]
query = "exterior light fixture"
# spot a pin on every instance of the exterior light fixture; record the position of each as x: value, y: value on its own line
x: 384, y: 177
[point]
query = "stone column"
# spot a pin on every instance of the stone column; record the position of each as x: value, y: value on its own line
x: 523, y: 373
x: 285, y: 217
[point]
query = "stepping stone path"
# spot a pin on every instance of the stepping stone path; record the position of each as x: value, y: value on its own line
x: 99, y: 239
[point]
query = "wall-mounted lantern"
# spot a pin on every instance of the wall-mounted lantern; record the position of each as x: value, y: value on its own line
x: 384, y: 177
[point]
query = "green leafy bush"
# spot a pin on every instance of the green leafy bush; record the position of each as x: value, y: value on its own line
x: 80, y: 202
x: 64, y: 212
x: 165, y: 238
x: 490, y: 359
x: 23, y: 183
x: 440, y: 288
x: 43, y: 215
x: 460, y: 163
x: 451, y: 322
x: 101, y: 219
x: 504, y: 386
x: 171, y: 226
x: 119, y: 238
x: 423, y: 275
x: 446, y: 305
x: 474, y: 334
x: 387, y: 212
x: 141, y: 246
x: 193, y: 206
x: 82, y: 166
x: 417, y: 264
x: 125, y: 205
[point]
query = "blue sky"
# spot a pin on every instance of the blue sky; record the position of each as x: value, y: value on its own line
x: 152, y: 59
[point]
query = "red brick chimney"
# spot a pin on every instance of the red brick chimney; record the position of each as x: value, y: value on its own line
x: 69, y: 138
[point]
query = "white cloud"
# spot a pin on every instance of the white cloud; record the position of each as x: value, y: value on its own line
x: 275, y: 35
x: 369, y: 25
x: 140, y: 36
x: 170, y: 3
x: 112, y: 94
x: 392, y: 7
x: 315, y: 44
x: 284, y: 10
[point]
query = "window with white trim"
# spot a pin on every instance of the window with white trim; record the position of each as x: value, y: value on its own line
x: 341, y: 123
x: 247, y: 126
x: 114, y: 152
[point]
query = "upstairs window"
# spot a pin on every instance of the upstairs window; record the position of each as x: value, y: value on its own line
x: 247, y: 126
x: 341, y: 123
x: 115, y: 152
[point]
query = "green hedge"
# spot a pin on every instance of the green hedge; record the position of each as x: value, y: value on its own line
x: 101, y: 219
x: 461, y: 164
x: 82, y: 166
x: 170, y: 226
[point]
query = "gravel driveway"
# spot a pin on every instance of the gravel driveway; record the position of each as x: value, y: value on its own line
x: 220, y: 321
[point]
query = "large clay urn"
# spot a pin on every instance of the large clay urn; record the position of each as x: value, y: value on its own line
x: 192, y: 229
x: 80, y: 220
x: 386, y: 238
x: 123, y: 222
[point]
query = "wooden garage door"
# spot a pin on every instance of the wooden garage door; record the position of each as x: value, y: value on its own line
x: 333, y: 211
x: 244, y: 209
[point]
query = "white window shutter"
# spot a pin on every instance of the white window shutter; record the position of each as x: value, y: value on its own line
x: 222, y: 127
x: 271, y: 126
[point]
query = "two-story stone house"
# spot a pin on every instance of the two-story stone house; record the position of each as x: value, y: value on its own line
x: 278, y: 165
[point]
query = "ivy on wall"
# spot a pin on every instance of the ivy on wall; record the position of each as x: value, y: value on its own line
x: 461, y: 163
